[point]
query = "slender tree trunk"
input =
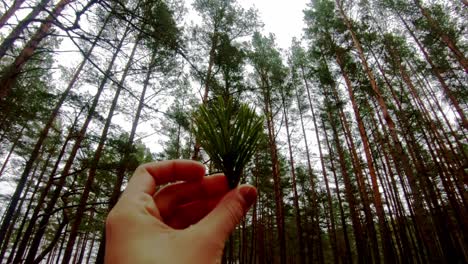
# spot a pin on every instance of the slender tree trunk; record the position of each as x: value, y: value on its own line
x: 294, y: 186
x: 62, y: 244
x: 80, y: 137
x: 8, y: 79
x: 333, y: 241
x: 10, y: 11
x: 403, y: 160
x: 253, y: 236
x: 417, y: 228
x: 207, y: 83
x: 434, y: 69
x: 22, y: 25
x: 347, y: 257
x: 91, y: 247
x: 12, y: 149
x: 315, y: 212
x: 94, y: 163
x: 351, y: 199
x: 123, y: 163
x: 6, y: 241
x: 443, y: 36
x: 53, y: 242
x: 40, y: 201
x: 43, y: 135
x: 26, y: 214
x: 275, y: 168
x: 388, y: 250
x: 85, y: 243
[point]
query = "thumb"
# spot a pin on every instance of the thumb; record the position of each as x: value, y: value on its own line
x: 224, y: 218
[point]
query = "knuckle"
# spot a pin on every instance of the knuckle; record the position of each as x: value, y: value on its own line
x: 140, y: 169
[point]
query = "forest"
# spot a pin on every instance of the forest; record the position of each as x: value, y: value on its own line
x: 362, y: 151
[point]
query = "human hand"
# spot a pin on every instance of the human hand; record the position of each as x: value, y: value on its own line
x: 185, y: 222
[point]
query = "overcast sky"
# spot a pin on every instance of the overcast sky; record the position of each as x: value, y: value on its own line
x: 281, y: 17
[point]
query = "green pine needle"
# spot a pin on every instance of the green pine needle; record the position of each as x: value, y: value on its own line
x: 229, y: 134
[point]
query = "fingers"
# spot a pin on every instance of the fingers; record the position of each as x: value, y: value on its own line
x: 186, y: 215
x: 220, y: 222
x: 149, y: 175
x: 174, y: 195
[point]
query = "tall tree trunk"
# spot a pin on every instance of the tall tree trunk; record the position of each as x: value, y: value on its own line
x: 45, y: 132
x: 294, y: 186
x: 436, y: 72
x: 94, y: 163
x: 388, y: 250
x: 322, y: 164
x: 443, y: 36
x: 123, y: 163
x: 37, y: 186
x: 279, y: 207
x: 351, y: 199
x: 91, y: 248
x: 53, y: 242
x: 22, y: 25
x: 403, y: 160
x: 43, y: 135
x: 8, y: 79
x: 40, y: 201
x: 10, y: 11
x: 347, y: 257
x: 207, y: 83
x: 11, y: 229
x: 80, y: 137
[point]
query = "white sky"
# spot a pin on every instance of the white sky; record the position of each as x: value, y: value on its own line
x: 281, y: 17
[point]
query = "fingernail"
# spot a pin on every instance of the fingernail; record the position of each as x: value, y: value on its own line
x: 249, y: 194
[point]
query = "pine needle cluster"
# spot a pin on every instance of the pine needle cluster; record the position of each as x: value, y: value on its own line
x: 229, y: 133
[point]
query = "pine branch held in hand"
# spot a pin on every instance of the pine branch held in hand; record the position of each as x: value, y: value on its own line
x: 229, y: 133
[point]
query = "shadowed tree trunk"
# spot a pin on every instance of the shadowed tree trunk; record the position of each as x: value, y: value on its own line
x: 79, y: 138
x: 94, y: 163
x: 8, y: 78
x: 297, y: 212
x: 10, y: 11
x: 22, y: 25
x: 322, y: 164
x: 443, y: 36
x: 43, y: 135
x: 386, y: 239
x: 123, y: 163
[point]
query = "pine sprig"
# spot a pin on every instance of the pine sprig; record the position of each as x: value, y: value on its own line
x: 229, y: 134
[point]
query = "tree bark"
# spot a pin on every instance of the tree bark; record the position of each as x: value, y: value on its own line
x: 46, y: 129
x: 388, y: 250
x: 333, y: 241
x: 8, y: 79
x: 295, y: 195
x: 444, y: 37
x: 22, y: 25
x: 123, y: 163
x: 80, y: 137
x: 403, y: 160
x: 97, y: 156
x: 214, y: 44
x: 10, y: 11
x: 347, y: 257
x: 279, y: 208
